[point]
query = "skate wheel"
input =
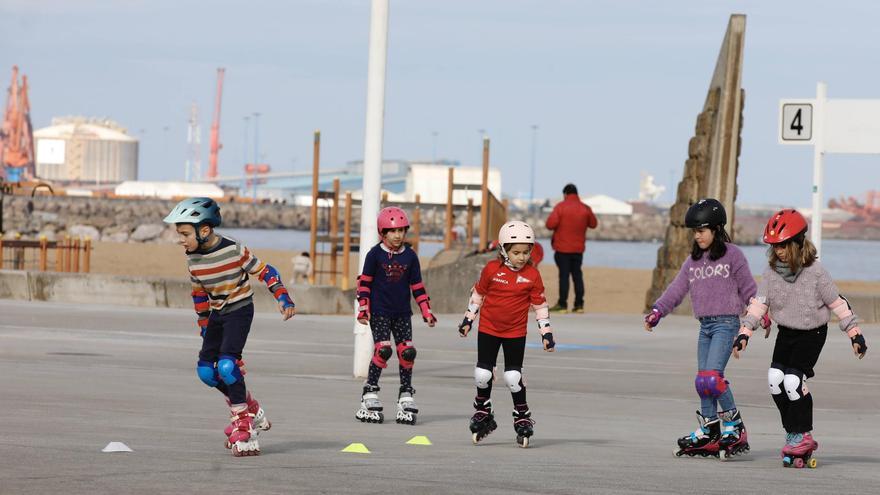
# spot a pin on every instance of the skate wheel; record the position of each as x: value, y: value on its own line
x: 798, y: 463
x: 523, y: 442
x: 475, y: 438
x: 812, y: 463
x: 677, y: 453
x: 723, y: 455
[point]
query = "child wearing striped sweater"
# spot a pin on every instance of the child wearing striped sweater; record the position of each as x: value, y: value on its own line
x: 391, y: 273
x: 220, y: 271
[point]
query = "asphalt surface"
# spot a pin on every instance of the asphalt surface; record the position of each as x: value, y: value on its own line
x: 608, y: 407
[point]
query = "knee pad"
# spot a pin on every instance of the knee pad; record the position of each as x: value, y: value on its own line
x: 482, y: 376
x: 775, y: 376
x: 514, y: 380
x: 227, y: 368
x: 381, y: 353
x: 710, y: 383
x: 406, y: 353
x: 794, y: 384
x: 208, y: 373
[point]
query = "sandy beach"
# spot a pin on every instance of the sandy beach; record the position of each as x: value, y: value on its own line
x: 608, y: 290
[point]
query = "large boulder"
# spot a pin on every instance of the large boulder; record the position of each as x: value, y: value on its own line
x: 147, y: 232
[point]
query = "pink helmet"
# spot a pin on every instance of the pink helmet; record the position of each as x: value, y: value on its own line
x: 391, y: 217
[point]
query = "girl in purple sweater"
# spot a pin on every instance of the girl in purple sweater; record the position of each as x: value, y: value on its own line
x: 801, y: 295
x: 720, y: 284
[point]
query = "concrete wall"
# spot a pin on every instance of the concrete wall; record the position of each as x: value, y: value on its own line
x: 151, y: 292
x: 449, y: 287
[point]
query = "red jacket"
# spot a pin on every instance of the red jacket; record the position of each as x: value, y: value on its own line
x: 569, y: 222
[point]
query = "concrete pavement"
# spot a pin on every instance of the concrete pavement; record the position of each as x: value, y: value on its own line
x: 608, y: 407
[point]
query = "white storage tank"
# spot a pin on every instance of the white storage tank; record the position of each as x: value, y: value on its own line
x: 90, y: 150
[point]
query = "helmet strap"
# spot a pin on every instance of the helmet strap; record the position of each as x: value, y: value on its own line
x: 507, y: 262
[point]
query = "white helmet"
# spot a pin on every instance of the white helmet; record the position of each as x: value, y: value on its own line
x: 516, y: 232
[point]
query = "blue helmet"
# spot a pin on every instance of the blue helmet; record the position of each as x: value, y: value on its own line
x: 195, y: 211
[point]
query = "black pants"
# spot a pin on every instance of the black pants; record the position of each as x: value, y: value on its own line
x: 487, y: 356
x: 796, y: 353
x: 383, y: 328
x: 569, y: 265
x: 227, y: 335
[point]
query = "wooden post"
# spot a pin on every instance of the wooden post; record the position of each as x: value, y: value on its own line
x: 470, y: 223
x: 506, y: 205
x: 18, y: 255
x: 416, y: 224
x: 87, y: 255
x: 346, y: 243
x: 67, y: 253
x: 313, y: 239
x: 484, y: 203
x: 75, y: 268
x: 334, y: 230
x: 447, y: 231
x: 43, y: 253
x: 59, y: 257
x: 1, y: 249
x: 384, y: 198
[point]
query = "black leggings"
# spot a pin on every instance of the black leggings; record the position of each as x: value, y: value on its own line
x: 383, y: 328
x: 795, y: 354
x: 487, y: 355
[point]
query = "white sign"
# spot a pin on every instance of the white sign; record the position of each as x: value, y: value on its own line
x: 796, y: 121
x: 852, y: 126
x: 841, y: 126
x: 50, y: 151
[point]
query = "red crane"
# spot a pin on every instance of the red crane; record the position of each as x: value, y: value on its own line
x: 16, y: 135
x: 215, y: 127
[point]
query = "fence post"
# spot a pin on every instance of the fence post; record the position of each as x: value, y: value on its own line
x: 67, y: 253
x: 75, y: 268
x: 59, y: 258
x: 334, y: 231
x: 87, y: 255
x: 346, y: 243
x: 470, y: 223
x: 447, y: 230
x: 18, y: 255
x: 416, y: 227
x: 1, y: 253
x: 43, y: 253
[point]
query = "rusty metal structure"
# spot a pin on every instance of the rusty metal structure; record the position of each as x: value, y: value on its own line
x: 16, y: 133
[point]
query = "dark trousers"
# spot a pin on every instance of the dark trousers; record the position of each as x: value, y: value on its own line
x: 227, y: 335
x: 487, y: 356
x: 796, y: 353
x: 569, y: 265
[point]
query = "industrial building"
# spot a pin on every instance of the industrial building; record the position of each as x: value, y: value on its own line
x: 85, y: 150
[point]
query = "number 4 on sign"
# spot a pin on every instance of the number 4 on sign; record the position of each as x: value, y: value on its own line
x: 797, y: 122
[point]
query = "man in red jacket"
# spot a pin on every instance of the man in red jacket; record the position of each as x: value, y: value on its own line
x: 569, y: 222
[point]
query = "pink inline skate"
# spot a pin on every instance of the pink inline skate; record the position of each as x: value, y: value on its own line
x: 798, y: 450
x: 260, y: 421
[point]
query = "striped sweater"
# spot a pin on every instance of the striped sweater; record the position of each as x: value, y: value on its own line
x: 220, y: 278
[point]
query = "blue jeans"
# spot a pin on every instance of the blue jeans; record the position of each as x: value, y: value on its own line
x: 713, y: 351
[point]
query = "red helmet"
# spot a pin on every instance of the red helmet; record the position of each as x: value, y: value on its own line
x: 391, y: 217
x: 784, y: 226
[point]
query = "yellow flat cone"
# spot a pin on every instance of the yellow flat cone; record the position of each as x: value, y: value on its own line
x: 419, y: 440
x: 357, y: 448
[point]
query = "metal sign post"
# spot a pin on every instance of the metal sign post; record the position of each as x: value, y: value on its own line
x: 830, y: 126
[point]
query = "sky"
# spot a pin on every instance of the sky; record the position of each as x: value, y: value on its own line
x: 614, y: 86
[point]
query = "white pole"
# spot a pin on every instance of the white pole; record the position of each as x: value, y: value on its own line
x: 818, y: 157
x: 363, y: 338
